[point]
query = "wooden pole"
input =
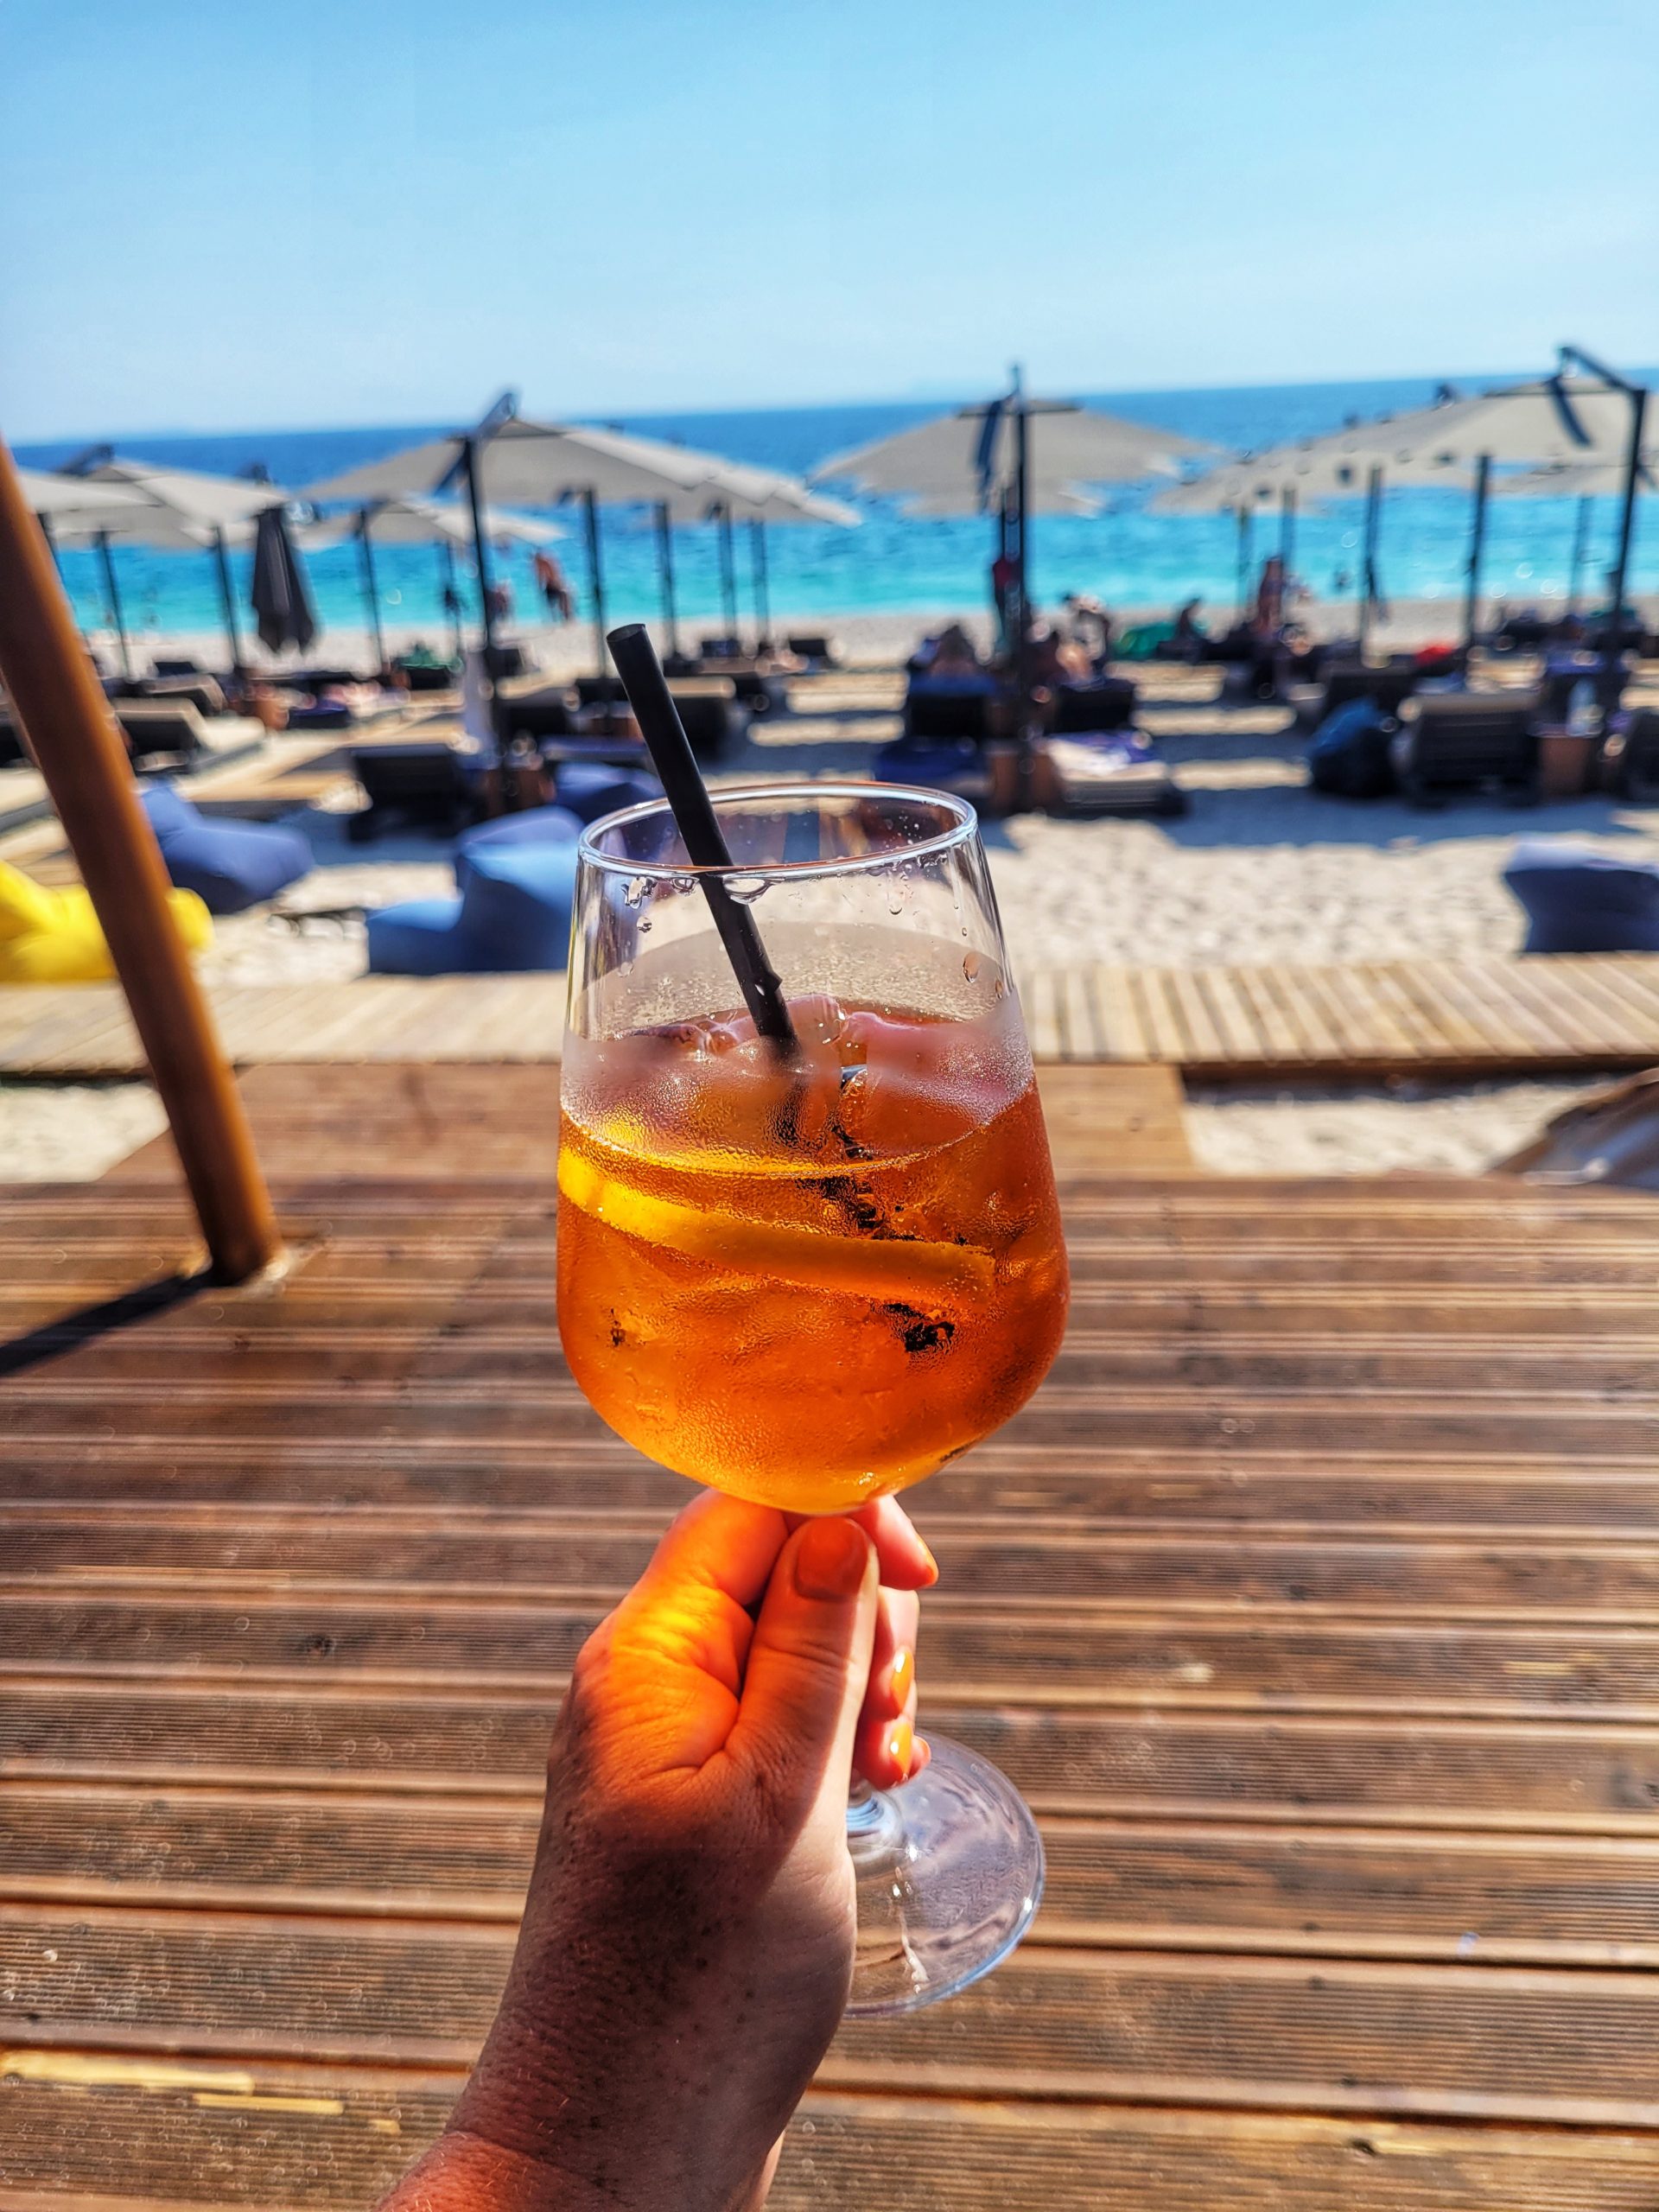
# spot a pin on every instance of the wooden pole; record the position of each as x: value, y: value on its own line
x: 78, y: 750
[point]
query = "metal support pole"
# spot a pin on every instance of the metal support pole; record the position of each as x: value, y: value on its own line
x: 452, y: 594
x: 113, y: 591
x: 1476, y: 546
x: 480, y: 550
x: 1287, y: 533
x: 1612, y: 652
x: 1021, y: 569
x: 595, y: 577
x: 1245, y: 561
x: 665, y: 573
x: 761, y: 583
x: 727, y: 569
x: 227, y: 600
x: 1367, y: 556
x: 371, y: 592
x: 74, y: 739
x: 1580, y: 544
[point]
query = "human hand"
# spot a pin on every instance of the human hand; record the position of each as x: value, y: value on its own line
x: 687, y: 1940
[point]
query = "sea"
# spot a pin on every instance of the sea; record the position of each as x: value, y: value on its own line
x: 1127, y: 555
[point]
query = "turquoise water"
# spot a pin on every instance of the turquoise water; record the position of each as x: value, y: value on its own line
x: 1127, y: 556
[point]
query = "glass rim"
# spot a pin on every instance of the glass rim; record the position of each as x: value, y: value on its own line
x: 962, y: 830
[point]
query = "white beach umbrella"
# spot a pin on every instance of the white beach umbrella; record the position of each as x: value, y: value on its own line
x: 1455, y: 442
x: 510, y: 459
x: 1586, y: 481
x: 419, y: 522
x: 1012, y: 457
x: 170, y: 510
x: 965, y: 462
x: 739, y: 491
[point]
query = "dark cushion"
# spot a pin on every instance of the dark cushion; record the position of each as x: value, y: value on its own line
x: 515, y: 905
x: 417, y: 937
x: 1578, y: 900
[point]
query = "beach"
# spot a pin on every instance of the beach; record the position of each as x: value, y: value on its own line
x: 1259, y: 870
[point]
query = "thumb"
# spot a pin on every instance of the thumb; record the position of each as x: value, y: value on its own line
x: 808, y: 1666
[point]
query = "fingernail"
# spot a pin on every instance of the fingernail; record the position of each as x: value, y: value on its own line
x: 932, y: 1564
x: 921, y: 1757
x: 831, y: 1560
x: 899, y: 1743
x: 898, y: 1675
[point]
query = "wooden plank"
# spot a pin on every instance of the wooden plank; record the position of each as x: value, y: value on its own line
x: 1572, y: 2046
x: 1115, y: 1120
x: 1111, y: 1884
x: 333, y: 2139
x: 1039, y: 991
x: 1576, y: 1775
x: 1166, y: 1040
x: 1122, y: 1035
x: 1232, y: 1015
x: 1206, y: 1044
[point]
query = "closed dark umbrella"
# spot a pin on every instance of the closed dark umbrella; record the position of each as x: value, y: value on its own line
x: 282, y: 599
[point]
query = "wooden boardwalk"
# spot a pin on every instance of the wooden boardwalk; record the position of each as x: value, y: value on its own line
x: 1313, y: 1605
x: 1424, y: 1017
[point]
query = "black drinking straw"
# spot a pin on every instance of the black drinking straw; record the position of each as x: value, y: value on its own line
x: 700, y: 831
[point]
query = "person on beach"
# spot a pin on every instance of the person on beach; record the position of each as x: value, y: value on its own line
x: 686, y: 1942
x: 554, y: 588
x: 953, y: 655
x: 1190, y: 634
x: 1091, y: 628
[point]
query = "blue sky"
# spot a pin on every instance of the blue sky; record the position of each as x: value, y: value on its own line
x: 215, y: 216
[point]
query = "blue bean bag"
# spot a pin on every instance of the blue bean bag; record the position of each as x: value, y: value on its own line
x: 512, y: 915
x: 591, y: 790
x: 537, y: 825
x: 1580, y: 900
x: 229, y: 865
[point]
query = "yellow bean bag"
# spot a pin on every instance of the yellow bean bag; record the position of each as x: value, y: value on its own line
x: 53, y: 936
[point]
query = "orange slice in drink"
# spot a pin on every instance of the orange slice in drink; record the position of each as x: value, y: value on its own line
x: 868, y: 1266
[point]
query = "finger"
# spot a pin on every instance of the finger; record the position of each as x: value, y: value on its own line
x: 716, y: 1543
x: 893, y: 1657
x: 884, y: 1748
x: 808, y: 1668
x: 904, y: 1560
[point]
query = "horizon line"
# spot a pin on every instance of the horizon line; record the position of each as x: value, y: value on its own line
x: 933, y: 398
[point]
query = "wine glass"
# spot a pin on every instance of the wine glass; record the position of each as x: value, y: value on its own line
x: 811, y: 1271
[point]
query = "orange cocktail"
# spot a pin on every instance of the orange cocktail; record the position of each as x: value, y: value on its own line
x: 809, y: 1280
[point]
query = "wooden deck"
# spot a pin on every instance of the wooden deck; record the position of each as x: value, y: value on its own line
x: 1314, y: 1606
x: 1445, y: 1018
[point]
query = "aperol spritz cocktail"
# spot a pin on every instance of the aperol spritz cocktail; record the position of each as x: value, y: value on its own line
x: 813, y: 1281
x: 809, y: 1267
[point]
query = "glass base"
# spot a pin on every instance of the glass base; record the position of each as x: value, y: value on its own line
x: 950, y: 1869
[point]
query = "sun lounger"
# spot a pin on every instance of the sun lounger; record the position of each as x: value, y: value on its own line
x: 201, y: 692
x: 1467, y: 740
x: 1345, y: 681
x: 949, y: 707
x: 12, y: 748
x: 1630, y: 758
x: 535, y: 715
x: 1102, y: 775
x: 818, y: 652
x: 1081, y: 709
x: 710, y: 712
x: 158, y: 729
x: 426, y: 786
x: 956, y: 765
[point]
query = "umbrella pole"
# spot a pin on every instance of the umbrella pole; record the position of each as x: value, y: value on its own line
x: 227, y: 600
x: 1367, y: 556
x: 45, y: 522
x: 1612, y: 660
x: 1476, y: 546
x: 1288, y: 531
x: 451, y: 594
x: 665, y: 572
x: 1580, y: 545
x: 761, y: 583
x: 1245, y: 518
x: 371, y: 593
x: 1022, y: 572
x: 480, y: 550
x: 595, y: 575
x: 113, y: 590
x: 728, y: 570
x: 78, y: 750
